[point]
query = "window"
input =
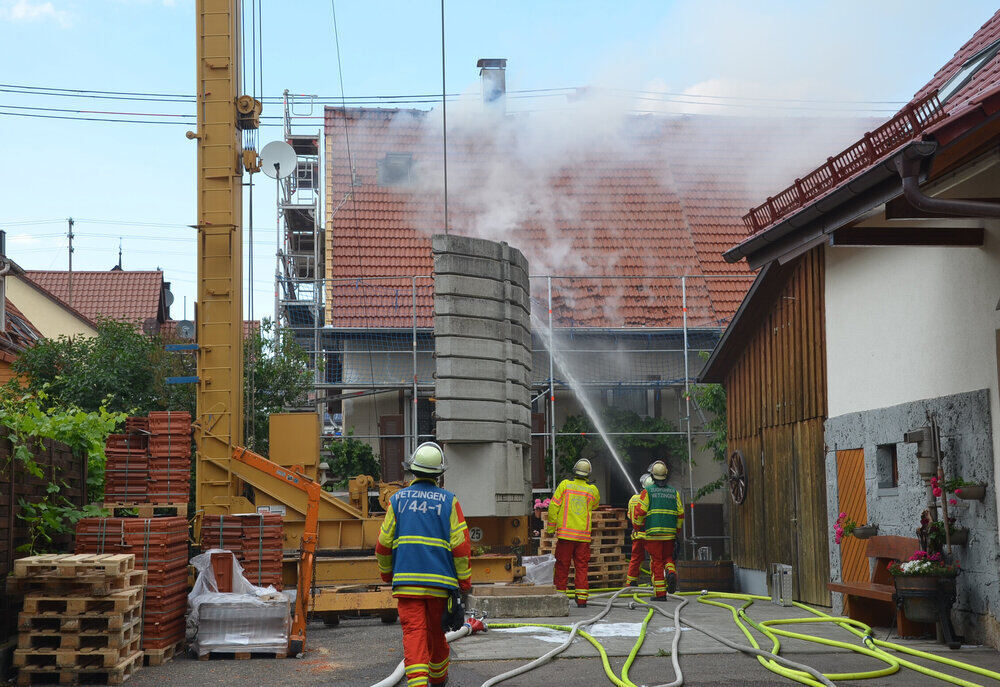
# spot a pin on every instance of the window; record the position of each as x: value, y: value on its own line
x: 971, y: 66
x: 886, y: 467
x: 394, y: 169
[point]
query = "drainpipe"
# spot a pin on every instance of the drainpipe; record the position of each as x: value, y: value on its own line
x: 909, y: 171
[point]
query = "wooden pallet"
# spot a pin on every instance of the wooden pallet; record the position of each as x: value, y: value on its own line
x: 114, y: 675
x: 76, y: 659
x: 87, y: 622
x: 113, y: 603
x: 91, y: 639
x: 148, y: 510
x: 97, y: 584
x: 157, y: 657
x: 241, y: 655
x: 74, y: 565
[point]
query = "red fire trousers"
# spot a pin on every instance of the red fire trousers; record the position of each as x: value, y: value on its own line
x: 425, y: 650
x: 579, y: 553
x: 635, y: 562
x: 661, y: 553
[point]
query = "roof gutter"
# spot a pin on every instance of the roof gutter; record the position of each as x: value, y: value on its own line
x: 909, y: 172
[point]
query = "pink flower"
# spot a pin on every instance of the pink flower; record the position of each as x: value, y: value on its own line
x: 953, y: 502
x: 936, y: 491
x: 934, y: 481
x: 843, y: 515
x: 958, y: 491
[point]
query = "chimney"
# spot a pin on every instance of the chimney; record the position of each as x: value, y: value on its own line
x: 494, y: 79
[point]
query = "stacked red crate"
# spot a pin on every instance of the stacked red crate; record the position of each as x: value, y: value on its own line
x: 170, y: 456
x: 263, y: 541
x: 222, y: 532
x: 126, y: 470
x: 160, y: 547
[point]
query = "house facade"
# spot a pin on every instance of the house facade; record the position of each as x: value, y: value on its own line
x: 906, y: 332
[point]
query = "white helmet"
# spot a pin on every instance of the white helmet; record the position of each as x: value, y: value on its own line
x: 659, y: 470
x: 582, y: 468
x: 645, y: 480
x: 428, y: 458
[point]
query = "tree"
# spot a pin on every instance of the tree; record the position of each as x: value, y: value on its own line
x: 350, y: 457
x: 277, y: 378
x: 712, y: 399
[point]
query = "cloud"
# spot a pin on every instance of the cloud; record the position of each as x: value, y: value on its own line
x: 32, y: 11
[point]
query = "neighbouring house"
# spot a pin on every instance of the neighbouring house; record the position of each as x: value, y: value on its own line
x: 139, y: 296
x: 874, y: 311
x: 16, y: 334
x: 622, y: 228
x: 53, y: 315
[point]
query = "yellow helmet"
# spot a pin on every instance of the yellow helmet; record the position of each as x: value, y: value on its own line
x: 582, y: 468
x: 645, y: 480
x: 428, y: 458
x: 658, y: 470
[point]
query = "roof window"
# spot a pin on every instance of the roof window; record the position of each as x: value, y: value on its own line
x: 394, y: 169
x: 968, y: 70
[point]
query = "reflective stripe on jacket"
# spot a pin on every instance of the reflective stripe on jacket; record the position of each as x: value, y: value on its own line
x: 637, y: 532
x: 423, y: 546
x: 570, y: 508
x: 660, y: 512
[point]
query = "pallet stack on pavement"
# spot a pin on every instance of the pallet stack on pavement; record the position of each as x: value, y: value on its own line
x: 608, y: 561
x: 169, y: 456
x: 160, y: 547
x: 257, y: 541
x: 81, y: 620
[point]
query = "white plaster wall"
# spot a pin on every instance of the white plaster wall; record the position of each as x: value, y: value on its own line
x: 904, y: 324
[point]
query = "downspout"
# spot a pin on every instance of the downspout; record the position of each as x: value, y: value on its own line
x: 909, y: 171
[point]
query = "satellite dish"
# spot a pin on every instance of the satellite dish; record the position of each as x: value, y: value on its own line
x: 185, y: 329
x: 150, y: 326
x: 277, y: 159
x: 168, y: 297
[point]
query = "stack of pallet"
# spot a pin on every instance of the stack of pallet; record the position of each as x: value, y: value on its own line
x: 127, y: 467
x: 169, y: 456
x: 255, y: 539
x: 160, y: 547
x: 82, y: 618
x: 608, y: 561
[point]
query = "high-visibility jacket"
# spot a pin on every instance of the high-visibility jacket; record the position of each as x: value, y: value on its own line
x: 637, y: 532
x: 660, y: 512
x: 570, y: 508
x: 423, y: 546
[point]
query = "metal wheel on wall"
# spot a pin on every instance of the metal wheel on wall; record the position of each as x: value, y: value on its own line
x: 737, y: 476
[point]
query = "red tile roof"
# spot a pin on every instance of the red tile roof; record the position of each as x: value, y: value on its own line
x: 921, y: 116
x: 19, y: 334
x: 133, y: 296
x: 668, y: 202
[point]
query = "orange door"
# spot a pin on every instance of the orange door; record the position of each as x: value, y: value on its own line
x: 852, y: 500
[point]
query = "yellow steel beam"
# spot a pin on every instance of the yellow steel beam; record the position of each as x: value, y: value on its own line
x: 219, y: 310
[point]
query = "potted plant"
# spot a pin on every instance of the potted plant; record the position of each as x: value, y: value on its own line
x: 925, y: 589
x: 968, y: 491
x: 541, y: 507
x: 931, y: 534
x: 845, y: 527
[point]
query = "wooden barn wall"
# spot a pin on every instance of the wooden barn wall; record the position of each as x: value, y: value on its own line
x: 58, y: 464
x: 776, y: 406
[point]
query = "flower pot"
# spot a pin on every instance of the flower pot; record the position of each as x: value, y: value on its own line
x: 974, y: 493
x: 960, y: 536
x: 923, y: 597
x: 865, y: 531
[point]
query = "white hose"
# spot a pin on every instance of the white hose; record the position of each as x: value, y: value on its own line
x: 545, y: 658
x: 674, y: 654
x: 400, y: 670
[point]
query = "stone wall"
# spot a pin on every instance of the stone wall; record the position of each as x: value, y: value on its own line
x: 967, y: 447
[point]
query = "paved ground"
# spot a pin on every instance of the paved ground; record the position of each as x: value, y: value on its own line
x: 358, y: 653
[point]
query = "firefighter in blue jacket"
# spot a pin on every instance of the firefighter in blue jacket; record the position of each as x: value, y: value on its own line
x: 423, y: 549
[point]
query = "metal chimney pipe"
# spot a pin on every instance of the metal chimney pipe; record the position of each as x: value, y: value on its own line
x: 493, y: 75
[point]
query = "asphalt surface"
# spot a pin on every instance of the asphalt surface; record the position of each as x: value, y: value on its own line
x: 360, y: 652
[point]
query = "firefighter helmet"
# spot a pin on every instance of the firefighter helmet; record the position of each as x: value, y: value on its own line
x: 659, y: 470
x: 582, y: 468
x: 427, y: 458
x: 645, y: 480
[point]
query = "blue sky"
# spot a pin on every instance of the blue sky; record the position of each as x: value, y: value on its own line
x: 113, y: 176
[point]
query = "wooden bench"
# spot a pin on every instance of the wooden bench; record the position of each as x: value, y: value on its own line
x: 871, y: 602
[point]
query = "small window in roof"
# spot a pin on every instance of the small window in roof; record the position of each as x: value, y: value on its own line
x: 394, y: 169
x: 971, y: 66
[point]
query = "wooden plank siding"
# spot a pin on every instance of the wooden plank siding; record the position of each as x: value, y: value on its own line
x: 853, y: 501
x: 777, y: 403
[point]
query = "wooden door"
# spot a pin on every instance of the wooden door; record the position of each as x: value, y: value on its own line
x: 852, y: 500
x: 392, y: 447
